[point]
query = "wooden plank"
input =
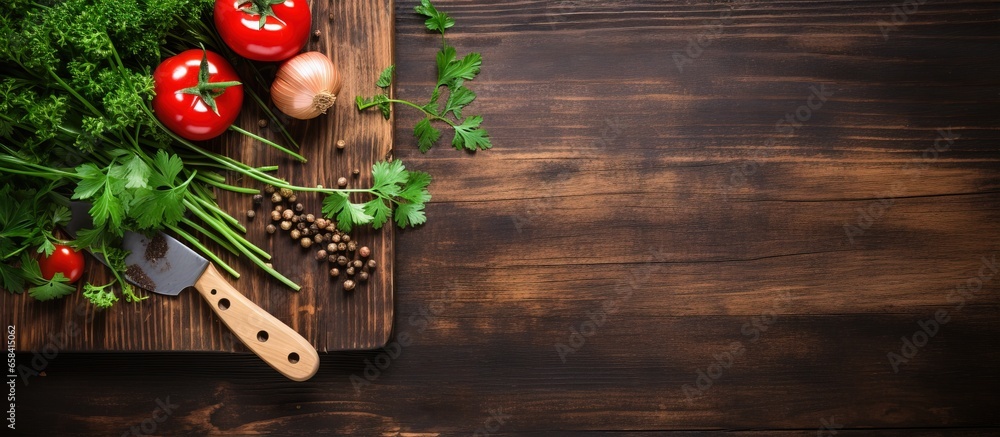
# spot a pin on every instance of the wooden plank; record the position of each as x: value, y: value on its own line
x: 358, y: 36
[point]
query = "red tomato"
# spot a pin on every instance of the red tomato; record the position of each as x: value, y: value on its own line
x: 283, y: 34
x: 63, y: 260
x: 189, y: 114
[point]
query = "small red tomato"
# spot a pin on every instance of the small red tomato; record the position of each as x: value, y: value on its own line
x: 264, y: 30
x: 63, y: 260
x: 197, y: 104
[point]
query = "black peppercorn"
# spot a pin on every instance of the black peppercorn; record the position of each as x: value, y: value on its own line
x: 258, y: 199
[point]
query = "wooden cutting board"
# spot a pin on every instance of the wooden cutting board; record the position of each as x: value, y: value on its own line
x: 358, y: 36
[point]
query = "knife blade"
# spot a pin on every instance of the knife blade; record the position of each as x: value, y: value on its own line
x: 163, y: 265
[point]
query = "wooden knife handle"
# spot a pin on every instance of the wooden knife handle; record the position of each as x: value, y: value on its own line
x: 276, y: 343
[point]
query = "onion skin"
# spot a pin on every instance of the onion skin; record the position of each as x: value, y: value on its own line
x: 306, y: 86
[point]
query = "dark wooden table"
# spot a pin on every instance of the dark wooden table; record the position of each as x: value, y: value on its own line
x: 779, y: 218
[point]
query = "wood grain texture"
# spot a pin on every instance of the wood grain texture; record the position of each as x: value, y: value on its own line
x: 610, y: 190
x: 358, y: 36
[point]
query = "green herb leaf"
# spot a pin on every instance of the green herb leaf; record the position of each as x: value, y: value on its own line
x: 426, y: 134
x: 379, y: 211
x: 348, y: 214
x: 53, y: 289
x: 385, y: 79
x: 415, y: 190
x: 470, y: 136
x: 456, y: 71
x: 410, y: 214
x: 436, y: 21
x: 100, y: 296
x: 458, y: 99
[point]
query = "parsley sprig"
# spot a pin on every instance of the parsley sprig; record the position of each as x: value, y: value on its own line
x: 452, y: 74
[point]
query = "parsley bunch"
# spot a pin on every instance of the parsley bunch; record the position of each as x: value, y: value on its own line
x: 76, y: 124
x: 452, y: 74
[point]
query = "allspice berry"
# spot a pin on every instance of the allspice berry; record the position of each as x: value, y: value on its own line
x: 364, y: 251
x: 348, y: 285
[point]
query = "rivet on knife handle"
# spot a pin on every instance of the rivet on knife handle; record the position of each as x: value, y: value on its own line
x: 276, y: 343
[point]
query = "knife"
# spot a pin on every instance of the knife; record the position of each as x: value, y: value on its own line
x: 163, y: 265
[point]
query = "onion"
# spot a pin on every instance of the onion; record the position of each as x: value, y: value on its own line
x: 306, y: 86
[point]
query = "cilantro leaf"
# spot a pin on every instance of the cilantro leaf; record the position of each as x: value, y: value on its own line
x: 92, y: 179
x: 106, y: 208
x: 55, y: 288
x: 471, y: 136
x: 388, y: 177
x: 456, y: 71
x: 136, y: 172
x: 411, y: 214
x: 436, y: 21
x: 426, y: 134
x: 379, y: 211
x: 445, y: 57
x: 348, y: 214
x: 13, y: 281
x: 458, y: 99
x: 385, y: 79
x: 416, y: 187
